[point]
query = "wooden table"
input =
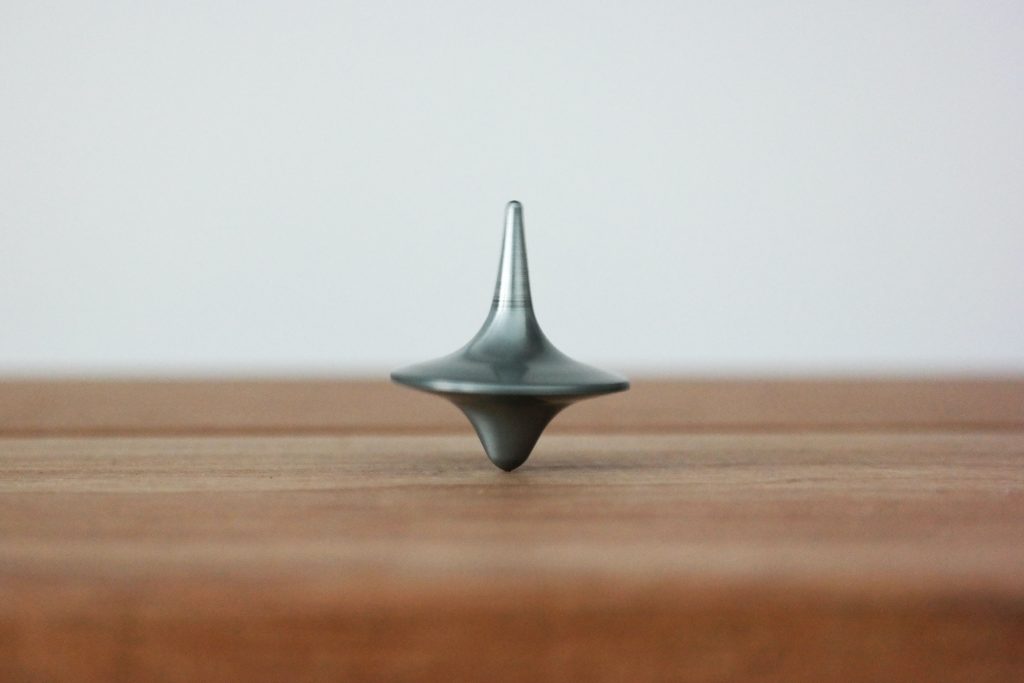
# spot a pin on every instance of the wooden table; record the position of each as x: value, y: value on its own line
x: 689, y: 530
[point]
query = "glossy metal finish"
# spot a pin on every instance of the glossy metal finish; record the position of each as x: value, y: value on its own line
x: 509, y: 380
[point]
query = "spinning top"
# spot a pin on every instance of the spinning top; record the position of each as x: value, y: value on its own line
x: 509, y: 380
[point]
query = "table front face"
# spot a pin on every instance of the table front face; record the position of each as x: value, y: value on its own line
x: 692, y: 530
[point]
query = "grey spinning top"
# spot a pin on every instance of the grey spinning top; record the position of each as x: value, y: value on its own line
x: 509, y: 380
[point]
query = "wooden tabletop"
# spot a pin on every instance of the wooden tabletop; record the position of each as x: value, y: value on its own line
x: 686, y: 530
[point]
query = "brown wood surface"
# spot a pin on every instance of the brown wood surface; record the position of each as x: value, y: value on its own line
x: 323, y: 406
x: 700, y: 530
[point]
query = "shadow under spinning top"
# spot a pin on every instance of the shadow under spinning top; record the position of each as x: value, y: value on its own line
x: 509, y: 380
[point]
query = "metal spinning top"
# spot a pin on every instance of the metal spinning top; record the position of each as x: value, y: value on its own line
x: 509, y: 380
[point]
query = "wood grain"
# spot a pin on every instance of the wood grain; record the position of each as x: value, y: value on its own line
x: 31, y: 407
x: 785, y: 542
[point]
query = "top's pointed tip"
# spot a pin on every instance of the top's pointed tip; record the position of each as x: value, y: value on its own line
x: 514, y: 212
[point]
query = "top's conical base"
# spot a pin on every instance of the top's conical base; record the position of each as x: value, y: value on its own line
x: 508, y: 426
x: 510, y: 357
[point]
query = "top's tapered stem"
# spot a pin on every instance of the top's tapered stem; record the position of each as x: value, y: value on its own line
x: 513, y: 287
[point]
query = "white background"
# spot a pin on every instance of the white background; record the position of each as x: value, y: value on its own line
x: 710, y: 187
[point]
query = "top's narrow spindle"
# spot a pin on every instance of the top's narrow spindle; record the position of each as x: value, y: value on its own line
x: 513, y: 286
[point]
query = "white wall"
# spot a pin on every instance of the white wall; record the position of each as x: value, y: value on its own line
x: 709, y: 187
